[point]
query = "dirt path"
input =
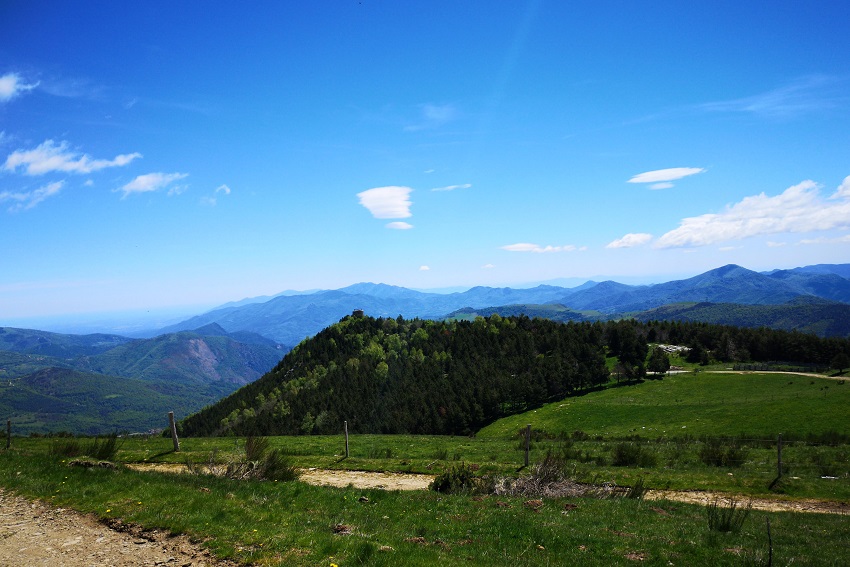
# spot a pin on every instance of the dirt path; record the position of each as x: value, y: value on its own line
x: 766, y: 504
x: 34, y: 534
x: 400, y: 481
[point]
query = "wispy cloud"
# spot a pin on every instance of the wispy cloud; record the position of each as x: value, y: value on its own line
x: 212, y: 200
x: 390, y: 202
x: 799, y: 208
x: 537, y: 249
x: 803, y: 96
x: 630, y: 240
x: 822, y: 240
x: 150, y: 182
x: 11, y: 85
x: 433, y: 116
x: 661, y: 178
x: 49, y: 157
x: 424, y: 268
x: 399, y: 225
x: 452, y: 187
x: 27, y: 200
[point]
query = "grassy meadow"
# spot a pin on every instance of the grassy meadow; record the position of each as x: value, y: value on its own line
x: 700, y: 431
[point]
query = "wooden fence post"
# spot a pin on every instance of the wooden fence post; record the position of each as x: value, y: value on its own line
x: 527, y: 442
x: 173, y: 427
x: 345, y: 425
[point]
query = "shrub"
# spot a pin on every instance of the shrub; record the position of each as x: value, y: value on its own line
x: 65, y: 448
x: 259, y: 463
x: 460, y: 479
x: 105, y: 449
x: 631, y: 455
x: 714, y: 453
x: 256, y: 448
x: 727, y: 518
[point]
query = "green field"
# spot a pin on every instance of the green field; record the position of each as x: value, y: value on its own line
x: 292, y: 523
x: 698, y: 404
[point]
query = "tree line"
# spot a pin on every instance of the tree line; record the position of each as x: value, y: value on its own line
x: 385, y: 375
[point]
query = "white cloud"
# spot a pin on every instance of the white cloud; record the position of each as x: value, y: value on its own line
x: 399, y: 225
x: 488, y: 266
x: 453, y: 187
x: 665, y: 185
x: 799, y: 208
x: 536, y: 248
x: 49, y: 157
x: 11, y: 86
x: 150, y: 182
x: 843, y: 191
x: 839, y: 240
x: 424, y: 268
x: 630, y: 240
x: 28, y: 200
x: 665, y: 176
x: 212, y: 200
x: 387, y: 202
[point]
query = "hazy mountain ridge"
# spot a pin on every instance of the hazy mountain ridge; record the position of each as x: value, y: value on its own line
x: 290, y: 319
x: 86, y: 386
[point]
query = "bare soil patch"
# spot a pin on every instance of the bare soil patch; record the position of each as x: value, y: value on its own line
x: 33, y: 533
x: 400, y: 481
x: 766, y: 504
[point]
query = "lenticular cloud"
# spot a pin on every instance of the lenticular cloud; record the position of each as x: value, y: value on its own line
x: 387, y: 202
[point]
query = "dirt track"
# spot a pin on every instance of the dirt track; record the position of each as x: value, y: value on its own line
x: 36, y: 534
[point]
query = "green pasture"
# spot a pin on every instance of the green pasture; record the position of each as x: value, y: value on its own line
x: 292, y: 523
x: 715, y: 404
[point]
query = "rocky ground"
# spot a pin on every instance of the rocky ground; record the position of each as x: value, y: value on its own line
x: 33, y: 534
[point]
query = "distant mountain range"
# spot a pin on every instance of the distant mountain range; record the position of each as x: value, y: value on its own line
x: 288, y: 319
x: 102, y: 383
x: 98, y: 383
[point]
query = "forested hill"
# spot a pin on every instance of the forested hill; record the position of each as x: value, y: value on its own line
x: 454, y: 377
x: 416, y: 376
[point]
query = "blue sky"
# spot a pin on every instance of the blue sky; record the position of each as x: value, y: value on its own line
x: 161, y: 154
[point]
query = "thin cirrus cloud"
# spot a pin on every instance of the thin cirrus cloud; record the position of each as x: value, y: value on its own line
x: 805, y: 95
x: 151, y: 182
x: 453, y: 187
x: 630, y: 240
x: 392, y: 202
x: 537, y: 249
x: 27, y: 200
x: 399, y: 225
x: 798, y: 209
x: 50, y: 156
x: 662, y: 178
x: 11, y: 85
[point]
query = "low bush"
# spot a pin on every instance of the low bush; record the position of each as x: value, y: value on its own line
x: 65, y: 448
x: 728, y: 518
x: 460, y: 479
x: 717, y: 453
x: 631, y: 455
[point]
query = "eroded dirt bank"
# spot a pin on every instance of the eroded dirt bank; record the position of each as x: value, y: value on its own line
x: 36, y: 534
